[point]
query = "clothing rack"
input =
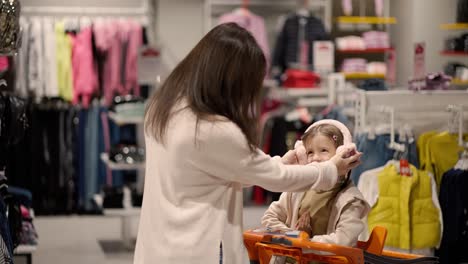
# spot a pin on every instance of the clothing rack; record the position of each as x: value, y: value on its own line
x: 144, y: 13
x: 390, y: 111
x: 59, y: 10
x: 413, y: 107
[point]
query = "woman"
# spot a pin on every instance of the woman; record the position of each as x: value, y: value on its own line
x: 201, y: 150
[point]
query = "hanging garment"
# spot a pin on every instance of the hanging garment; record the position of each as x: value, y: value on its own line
x: 64, y: 62
x: 91, y: 160
x: 288, y: 44
x: 50, y: 58
x: 369, y: 187
x: 442, y: 154
x: 108, y: 41
x: 407, y: 208
x: 454, y: 203
x: 35, y: 55
x: 378, y: 153
x: 22, y: 60
x: 47, y: 174
x: 85, y: 80
x: 252, y: 23
x: 131, y: 38
x: 422, y: 147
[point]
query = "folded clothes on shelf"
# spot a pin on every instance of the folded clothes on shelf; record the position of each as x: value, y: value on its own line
x: 350, y: 43
x: 457, y: 70
x: 127, y: 154
x: 352, y: 65
x: 376, y: 39
x: 377, y: 68
x: 459, y: 43
x: 295, y: 78
x: 28, y: 235
x: 432, y: 81
x: 359, y: 65
x: 373, y: 85
x: 128, y: 105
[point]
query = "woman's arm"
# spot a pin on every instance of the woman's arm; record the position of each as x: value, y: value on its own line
x: 221, y: 150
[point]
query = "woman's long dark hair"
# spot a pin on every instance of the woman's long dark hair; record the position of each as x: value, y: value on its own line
x: 222, y: 75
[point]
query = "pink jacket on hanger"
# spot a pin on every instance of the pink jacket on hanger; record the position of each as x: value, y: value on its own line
x: 132, y: 35
x: 85, y: 81
x: 120, y: 40
x: 108, y: 41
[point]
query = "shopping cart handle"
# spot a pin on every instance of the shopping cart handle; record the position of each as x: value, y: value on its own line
x: 300, y: 240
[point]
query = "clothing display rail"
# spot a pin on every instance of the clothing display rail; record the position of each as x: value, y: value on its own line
x: 412, y: 106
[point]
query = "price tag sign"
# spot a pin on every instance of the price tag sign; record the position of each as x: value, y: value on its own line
x: 149, y: 65
x: 324, y: 56
x: 419, y: 60
x: 405, y: 168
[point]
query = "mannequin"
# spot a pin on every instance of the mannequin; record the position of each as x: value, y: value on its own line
x: 303, y: 10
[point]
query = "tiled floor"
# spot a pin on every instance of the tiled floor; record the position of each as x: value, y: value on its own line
x: 75, y: 239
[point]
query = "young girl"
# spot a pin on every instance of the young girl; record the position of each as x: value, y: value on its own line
x: 333, y: 216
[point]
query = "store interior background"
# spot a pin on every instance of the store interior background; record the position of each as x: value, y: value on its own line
x: 418, y: 21
x: 177, y: 26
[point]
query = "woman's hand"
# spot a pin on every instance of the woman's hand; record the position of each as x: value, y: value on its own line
x: 345, y: 159
x: 296, y: 156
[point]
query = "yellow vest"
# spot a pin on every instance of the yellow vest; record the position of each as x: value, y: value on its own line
x: 406, y: 209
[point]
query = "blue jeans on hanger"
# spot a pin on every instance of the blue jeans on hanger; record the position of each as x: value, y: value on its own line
x: 377, y: 153
x: 92, y: 155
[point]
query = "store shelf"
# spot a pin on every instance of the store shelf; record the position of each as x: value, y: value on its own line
x: 25, y: 249
x: 313, y: 102
x: 304, y: 92
x: 459, y: 82
x: 117, y: 166
x: 366, y: 20
x: 123, y: 212
x: 124, y: 120
x: 365, y: 51
x: 453, y: 53
x: 363, y: 75
x: 454, y: 26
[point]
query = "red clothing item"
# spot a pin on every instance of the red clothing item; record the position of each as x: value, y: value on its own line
x: 120, y: 41
x: 301, y: 79
x: 85, y: 80
x: 3, y: 63
x: 106, y: 35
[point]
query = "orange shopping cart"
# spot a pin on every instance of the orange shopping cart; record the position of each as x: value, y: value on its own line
x: 262, y: 244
